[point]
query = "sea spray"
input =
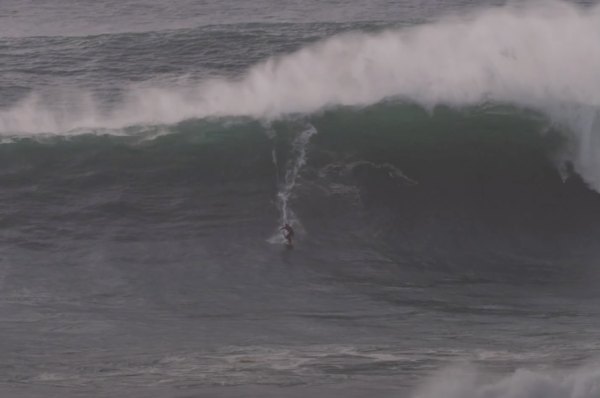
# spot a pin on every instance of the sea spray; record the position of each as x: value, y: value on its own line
x: 293, y: 167
x: 468, y: 382
x: 535, y: 56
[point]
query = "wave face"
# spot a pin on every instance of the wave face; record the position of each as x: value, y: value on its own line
x: 484, y: 185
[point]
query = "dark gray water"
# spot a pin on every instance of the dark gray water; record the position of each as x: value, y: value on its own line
x: 438, y: 161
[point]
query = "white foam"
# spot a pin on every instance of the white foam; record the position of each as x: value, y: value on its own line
x: 465, y: 382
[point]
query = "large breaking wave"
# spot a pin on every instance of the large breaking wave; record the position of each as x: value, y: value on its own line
x: 543, y: 57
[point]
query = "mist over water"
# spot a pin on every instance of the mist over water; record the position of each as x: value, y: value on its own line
x: 438, y: 162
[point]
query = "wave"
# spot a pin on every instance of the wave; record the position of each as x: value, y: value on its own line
x: 491, y: 176
x: 541, y: 57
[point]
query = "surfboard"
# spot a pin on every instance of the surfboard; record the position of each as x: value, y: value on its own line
x: 287, y: 242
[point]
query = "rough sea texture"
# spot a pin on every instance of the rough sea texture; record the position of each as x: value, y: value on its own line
x: 439, y: 161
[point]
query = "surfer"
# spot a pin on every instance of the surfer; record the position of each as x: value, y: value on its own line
x: 288, y: 233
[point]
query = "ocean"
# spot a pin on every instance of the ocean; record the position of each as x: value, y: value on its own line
x: 439, y: 162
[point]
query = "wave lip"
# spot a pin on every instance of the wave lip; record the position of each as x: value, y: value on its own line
x: 534, y: 56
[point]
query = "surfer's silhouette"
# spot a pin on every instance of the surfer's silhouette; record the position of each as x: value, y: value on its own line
x: 288, y: 233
